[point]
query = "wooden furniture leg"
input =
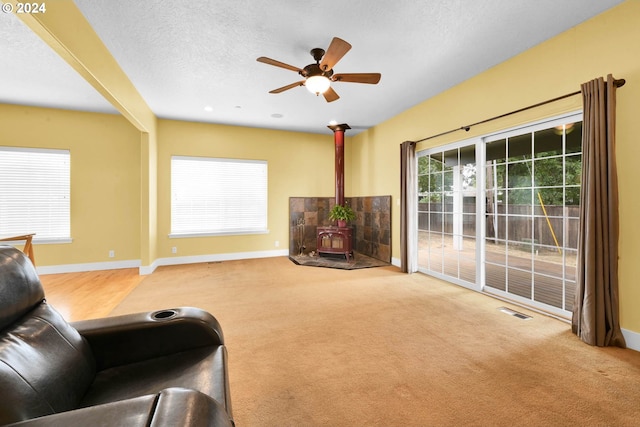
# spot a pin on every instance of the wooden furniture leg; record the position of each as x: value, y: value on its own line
x: 28, y: 246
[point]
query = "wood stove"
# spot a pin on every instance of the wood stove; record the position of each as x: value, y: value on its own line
x: 335, y: 240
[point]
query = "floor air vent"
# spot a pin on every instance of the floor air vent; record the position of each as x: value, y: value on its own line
x: 514, y: 313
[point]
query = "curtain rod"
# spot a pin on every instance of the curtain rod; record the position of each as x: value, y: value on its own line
x: 617, y: 82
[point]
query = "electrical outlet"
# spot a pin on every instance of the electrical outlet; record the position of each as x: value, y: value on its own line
x: 112, y: 253
x: 174, y: 250
x: 277, y: 243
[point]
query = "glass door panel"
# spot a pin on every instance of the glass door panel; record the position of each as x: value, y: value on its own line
x: 533, y: 191
x: 447, y: 213
x: 519, y: 282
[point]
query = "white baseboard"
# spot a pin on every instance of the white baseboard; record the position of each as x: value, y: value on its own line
x: 144, y: 270
x: 91, y: 266
x: 632, y: 338
x: 148, y: 269
x: 396, y: 262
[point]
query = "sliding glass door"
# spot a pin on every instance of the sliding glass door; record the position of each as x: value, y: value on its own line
x: 447, y: 213
x: 510, y: 226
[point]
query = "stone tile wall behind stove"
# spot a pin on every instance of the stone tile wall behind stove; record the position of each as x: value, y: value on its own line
x: 372, y: 228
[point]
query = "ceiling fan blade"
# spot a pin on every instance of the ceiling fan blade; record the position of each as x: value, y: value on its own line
x: 287, y: 87
x: 336, y: 50
x: 330, y: 95
x: 370, y: 78
x: 270, y: 61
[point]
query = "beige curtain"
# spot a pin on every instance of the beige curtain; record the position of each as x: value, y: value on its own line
x: 595, y: 313
x: 408, y: 208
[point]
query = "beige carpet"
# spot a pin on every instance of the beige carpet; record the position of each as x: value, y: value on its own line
x: 375, y: 347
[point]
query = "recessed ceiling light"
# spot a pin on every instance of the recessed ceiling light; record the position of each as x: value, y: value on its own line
x: 208, y: 108
x: 277, y: 115
x: 238, y: 106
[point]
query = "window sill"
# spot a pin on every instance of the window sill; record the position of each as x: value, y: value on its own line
x: 217, y: 233
x: 52, y: 241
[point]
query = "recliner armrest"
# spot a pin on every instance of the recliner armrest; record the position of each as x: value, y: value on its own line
x: 169, y: 408
x: 130, y: 338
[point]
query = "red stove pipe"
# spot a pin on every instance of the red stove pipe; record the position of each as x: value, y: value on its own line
x: 338, y: 136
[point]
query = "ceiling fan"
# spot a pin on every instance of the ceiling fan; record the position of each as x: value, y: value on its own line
x: 318, y: 76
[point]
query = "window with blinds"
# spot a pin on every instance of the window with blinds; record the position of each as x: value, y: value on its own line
x: 211, y: 196
x: 35, y: 193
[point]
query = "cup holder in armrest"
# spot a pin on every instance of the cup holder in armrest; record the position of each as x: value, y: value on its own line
x: 164, y: 314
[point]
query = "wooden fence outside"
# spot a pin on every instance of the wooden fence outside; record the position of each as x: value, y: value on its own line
x: 525, y: 224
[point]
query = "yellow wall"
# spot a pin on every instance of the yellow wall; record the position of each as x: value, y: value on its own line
x: 149, y: 196
x: 605, y: 44
x: 110, y: 159
x: 105, y: 179
x: 299, y: 164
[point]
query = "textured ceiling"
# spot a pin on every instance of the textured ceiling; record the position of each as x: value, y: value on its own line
x: 185, y: 56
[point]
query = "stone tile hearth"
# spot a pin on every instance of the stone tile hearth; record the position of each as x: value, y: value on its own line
x: 333, y: 261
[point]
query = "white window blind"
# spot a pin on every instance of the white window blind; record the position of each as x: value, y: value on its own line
x: 218, y: 196
x: 35, y: 193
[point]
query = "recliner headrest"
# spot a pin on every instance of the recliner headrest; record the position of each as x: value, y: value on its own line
x: 20, y: 287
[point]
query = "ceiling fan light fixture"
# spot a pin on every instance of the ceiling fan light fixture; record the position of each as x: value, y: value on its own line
x: 317, y: 84
x: 319, y: 76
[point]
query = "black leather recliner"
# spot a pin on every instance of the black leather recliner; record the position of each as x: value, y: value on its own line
x: 166, y: 368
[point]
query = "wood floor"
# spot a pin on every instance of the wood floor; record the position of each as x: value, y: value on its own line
x: 89, y: 295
